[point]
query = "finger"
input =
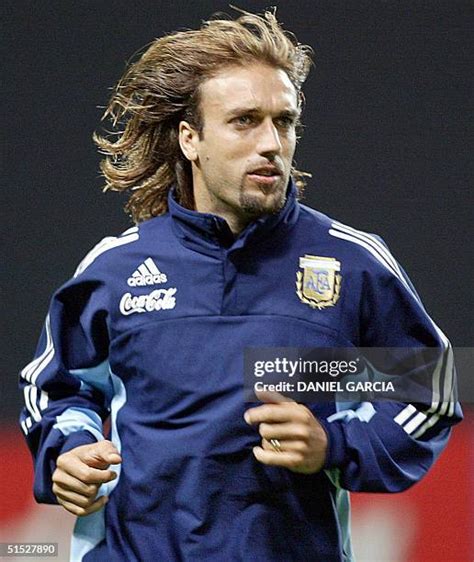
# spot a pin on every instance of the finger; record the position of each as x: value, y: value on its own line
x: 285, y: 446
x: 100, y: 454
x: 285, y: 430
x: 88, y: 475
x: 275, y: 413
x: 73, y: 497
x: 268, y: 445
x: 271, y: 397
x: 81, y: 511
x: 285, y: 459
x: 67, y: 482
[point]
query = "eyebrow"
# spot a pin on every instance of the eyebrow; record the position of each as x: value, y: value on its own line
x: 294, y: 113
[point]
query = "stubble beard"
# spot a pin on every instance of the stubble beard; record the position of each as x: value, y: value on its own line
x: 254, y: 207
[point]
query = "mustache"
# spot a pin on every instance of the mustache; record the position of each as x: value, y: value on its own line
x: 272, y: 167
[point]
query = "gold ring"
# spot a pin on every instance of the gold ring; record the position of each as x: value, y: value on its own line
x: 276, y: 445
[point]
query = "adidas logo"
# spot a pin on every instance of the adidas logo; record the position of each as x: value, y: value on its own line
x: 146, y: 274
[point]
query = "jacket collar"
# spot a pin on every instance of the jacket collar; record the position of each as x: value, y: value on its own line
x: 205, y: 231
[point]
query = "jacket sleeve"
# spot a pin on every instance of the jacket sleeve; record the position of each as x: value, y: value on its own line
x: 387, y: 446
x: 67, y: 387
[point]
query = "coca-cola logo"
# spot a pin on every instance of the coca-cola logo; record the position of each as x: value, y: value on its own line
x: 159, y: 299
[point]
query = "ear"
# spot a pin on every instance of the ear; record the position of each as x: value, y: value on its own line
x: 188, y: 139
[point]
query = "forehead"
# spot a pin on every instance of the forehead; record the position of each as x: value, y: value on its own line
x: 256, y: 86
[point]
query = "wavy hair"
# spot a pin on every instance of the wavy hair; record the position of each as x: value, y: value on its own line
x: 162, y: 88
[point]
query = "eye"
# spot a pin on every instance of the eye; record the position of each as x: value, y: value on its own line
x: 285, y: 122
x: 243, y: 120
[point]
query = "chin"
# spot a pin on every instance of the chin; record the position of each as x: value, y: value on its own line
x: 256, y: 205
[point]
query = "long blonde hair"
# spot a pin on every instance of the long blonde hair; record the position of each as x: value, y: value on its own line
x: 162, y: 88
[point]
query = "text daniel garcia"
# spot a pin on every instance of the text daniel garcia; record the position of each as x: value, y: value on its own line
x: 325, y: 386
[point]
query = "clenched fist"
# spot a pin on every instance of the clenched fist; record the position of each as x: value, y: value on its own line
x: 79, y: 474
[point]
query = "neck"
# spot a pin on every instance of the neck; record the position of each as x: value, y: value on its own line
x: 205, y: 203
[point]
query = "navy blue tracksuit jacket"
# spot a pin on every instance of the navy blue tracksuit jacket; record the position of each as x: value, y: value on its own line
x: 151, y: 331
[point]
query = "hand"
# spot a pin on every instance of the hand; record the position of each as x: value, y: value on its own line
x: 79, y: 474
x: 302, y: 439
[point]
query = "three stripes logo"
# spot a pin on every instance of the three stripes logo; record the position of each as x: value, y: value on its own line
x: 146, y: 274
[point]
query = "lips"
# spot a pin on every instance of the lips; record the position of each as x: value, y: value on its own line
x: 267, y: 175
x: 265, y: 171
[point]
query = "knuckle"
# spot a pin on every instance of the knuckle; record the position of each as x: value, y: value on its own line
x: 264, y: 430
x: 295, y: 460
x: 307, y: 415
x: 85, y: 502
x: 300, y: 447
x: 61, y: 461
x: 299, y: 458
x: 304, y: 433
x: 84, y: 474
x: 91, y: 489
x: 80, y: 511
x: 302, y: 411
x: 72, y: 508
x: 99, y: 448
x: 264, y: 411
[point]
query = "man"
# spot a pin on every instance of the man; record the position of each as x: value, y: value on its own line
x: 152, y: 329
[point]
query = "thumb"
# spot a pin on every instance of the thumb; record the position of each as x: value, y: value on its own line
x: 101, y: 454
x: 272, y: 397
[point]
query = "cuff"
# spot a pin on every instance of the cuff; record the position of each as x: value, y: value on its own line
x: 76, y: 439
x: 336, y: 452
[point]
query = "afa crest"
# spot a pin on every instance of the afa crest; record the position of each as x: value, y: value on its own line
x: 319, y: 284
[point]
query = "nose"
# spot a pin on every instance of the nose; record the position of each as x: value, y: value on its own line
x: 269, y: 138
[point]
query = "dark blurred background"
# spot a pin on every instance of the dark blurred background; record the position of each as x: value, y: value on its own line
x: 388, y: 139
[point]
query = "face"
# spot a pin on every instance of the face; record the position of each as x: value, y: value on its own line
x: 242, y: 161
